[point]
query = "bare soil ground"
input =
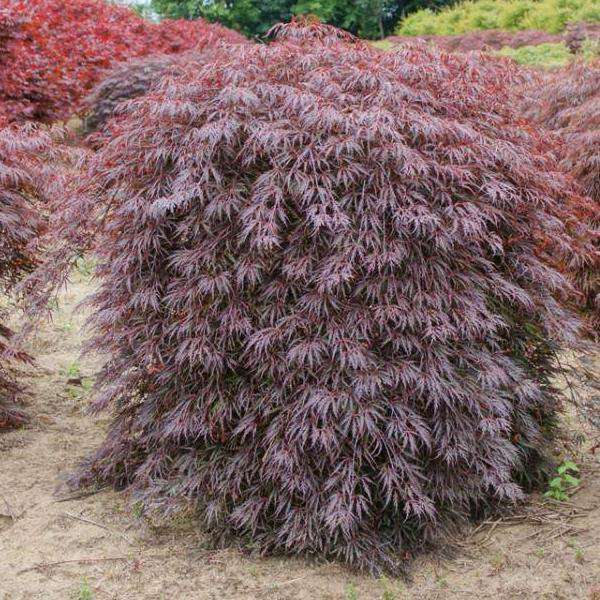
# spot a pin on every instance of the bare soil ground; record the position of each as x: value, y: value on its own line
x: 98, y: 548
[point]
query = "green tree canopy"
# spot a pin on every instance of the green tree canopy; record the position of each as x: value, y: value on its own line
x: 366, y: 18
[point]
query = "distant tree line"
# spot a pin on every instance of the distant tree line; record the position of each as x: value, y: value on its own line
x: 370, y: 19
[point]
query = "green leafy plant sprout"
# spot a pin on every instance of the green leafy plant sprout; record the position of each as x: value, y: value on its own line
x: 138, y: 510
x: 559, y: 486
x: 84, y: 592
x: 392, y: 590
x: 72, y: 370
x: 85, y: 266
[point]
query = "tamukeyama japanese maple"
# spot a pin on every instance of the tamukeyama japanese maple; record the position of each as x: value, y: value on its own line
x: 329, y: 319
x: 23, y: 184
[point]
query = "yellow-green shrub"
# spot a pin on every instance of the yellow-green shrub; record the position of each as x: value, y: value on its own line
x: 473, y: 15
x: 544, y: 55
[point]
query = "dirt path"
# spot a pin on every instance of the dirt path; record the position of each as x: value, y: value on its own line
x: 124, y: 557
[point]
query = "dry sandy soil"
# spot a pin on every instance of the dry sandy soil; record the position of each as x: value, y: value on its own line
x: 98, y: 548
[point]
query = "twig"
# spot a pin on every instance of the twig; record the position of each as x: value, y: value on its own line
x: 84, y: 520
x: 10, y: 514
x: 89, y: 561
x: 73, y: 561
x: 488, y: 533
x: 78, y: 496
x: 560, y: 533
x: 289, y: 581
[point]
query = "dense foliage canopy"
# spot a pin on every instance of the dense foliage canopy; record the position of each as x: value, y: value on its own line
x: 568, y: 102
x: 327, y: 293
x: 53, y: 51
x: 126, y: 81
x: 490, y: 39
x: 22, y: 187
x: 367, y: 18
x: 471, y: 15
x: 580, y: 35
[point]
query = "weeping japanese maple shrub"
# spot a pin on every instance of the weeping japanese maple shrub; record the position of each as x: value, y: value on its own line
x: 127, y: 81
x: 21, y: 224
x: 569, y: 104
x: 134, y: 78
x: 330, y: 322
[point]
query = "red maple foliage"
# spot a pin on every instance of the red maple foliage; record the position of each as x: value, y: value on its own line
x: 24, y: 184
x: 54, y: 51
x: 330, y: 322
x: 567, y: 102
x: 490, y: 39
x: 577, y: 34
x: 126, y: 81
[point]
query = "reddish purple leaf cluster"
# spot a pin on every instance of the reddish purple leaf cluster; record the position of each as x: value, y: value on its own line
x: 568, y: 103
x: 329, y: 318
x: 577, y: 34
x: 127, y: 81
x: 489, y: 39
x: 21, y: 225
x: 52, y: 52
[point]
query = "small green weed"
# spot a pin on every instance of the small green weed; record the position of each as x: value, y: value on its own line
x: 84, y: 592
x: 78, y: 387
x: 498, y: 562
x: 85, y: 266
x: 351, y: 592
x: 559, y: 486
x: 71, y: 371
x: 66, y: 326
x: 392, y: 590
x: 138, y: 510
x: 81, y: 391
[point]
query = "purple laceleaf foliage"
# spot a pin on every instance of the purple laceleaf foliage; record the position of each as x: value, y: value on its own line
x: 329, y: 316
x: 126, y: 81
x: 568, y: 104
x: 22, y: 187
x: 130, y: 80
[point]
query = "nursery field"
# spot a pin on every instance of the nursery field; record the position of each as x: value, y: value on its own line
x: 299, y: 299
x: 98, y: 547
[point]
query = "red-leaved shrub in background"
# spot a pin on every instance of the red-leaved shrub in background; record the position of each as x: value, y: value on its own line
x: 129, y: 80
x: 491, y: 39
x: 558, y: 101
x: 577, y: 34
x: 330, y: 318
x: 568, y: 102
x: 56, y: 50
x: 23, y: 186
x: 10, y: 31
x: 172, y: 36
